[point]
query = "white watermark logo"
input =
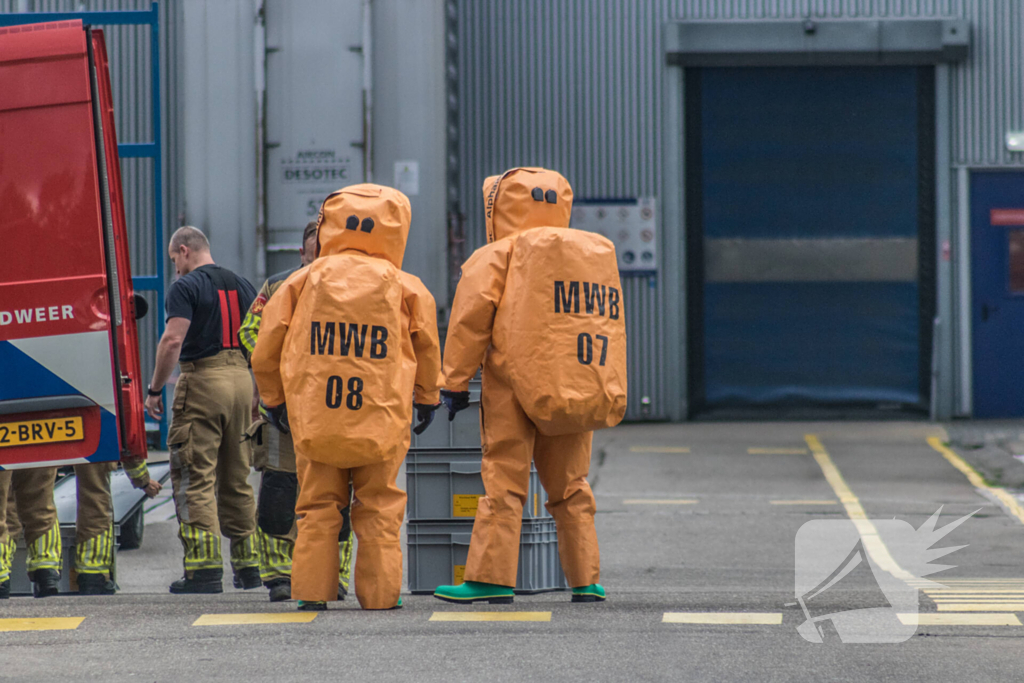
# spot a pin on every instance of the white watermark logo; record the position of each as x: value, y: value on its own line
x: 860, y: 578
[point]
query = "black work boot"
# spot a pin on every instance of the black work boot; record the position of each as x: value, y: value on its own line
x: 92, y: 583
x: 248, y: 578
x: 5, y: 589
x: 45, y: 582
x: 280, y: 590
x: 202, y: 581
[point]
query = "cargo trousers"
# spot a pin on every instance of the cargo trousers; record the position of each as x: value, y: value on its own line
x: 212, y: 409
x: 94, y: 523
x: 26, y: 504
x: 510, y: 443
x: 273, y: 455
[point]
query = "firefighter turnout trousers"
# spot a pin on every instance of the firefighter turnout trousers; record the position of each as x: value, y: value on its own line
x: 94, y: 523
x: 273, y: 455
x: 209, y: 468
x: 510, y: 442
x: 26, y: 504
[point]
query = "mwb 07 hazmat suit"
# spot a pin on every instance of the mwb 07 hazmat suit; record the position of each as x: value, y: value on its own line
x: 350, y: 343
x: 541, y: 308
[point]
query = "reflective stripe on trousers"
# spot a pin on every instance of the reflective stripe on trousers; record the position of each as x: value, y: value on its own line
x: 244, y: 553
x: 276, y: 558
x: 202, y: 548
x: 6, y: 557
x: 45, y: 551
x: 96, y: 555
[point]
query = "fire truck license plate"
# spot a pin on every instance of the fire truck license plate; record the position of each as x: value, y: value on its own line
x: 32, y: 432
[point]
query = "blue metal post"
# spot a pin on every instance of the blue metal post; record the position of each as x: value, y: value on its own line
x: 158, y: 204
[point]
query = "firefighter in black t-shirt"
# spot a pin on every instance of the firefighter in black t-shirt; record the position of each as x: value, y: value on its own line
x: 211, y: 412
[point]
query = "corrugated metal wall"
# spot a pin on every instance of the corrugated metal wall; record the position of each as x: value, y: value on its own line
x: 129, y: 51
x: 576, y: 85
x: 988, y: 90
x: 572, y: 86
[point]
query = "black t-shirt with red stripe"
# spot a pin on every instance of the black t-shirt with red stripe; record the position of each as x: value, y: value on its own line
x: 215, y: 300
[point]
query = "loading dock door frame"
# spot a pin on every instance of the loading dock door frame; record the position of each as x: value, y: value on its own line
x: 919, y: 42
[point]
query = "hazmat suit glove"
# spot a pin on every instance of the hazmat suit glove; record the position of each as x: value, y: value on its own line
x: 424, y: 416
x: 454, y: 401
x: 277, y: 416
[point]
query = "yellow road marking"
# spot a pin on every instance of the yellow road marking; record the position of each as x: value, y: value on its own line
x: 974, y: 591
x: 932, y: 619
x: 1002, y: 495
x: 957, y: 582
x: 49, y: 624
x: 803, y: 502
x: 660, y: 501
x: 659, y: 449
x: 981, y: 607
x: 855, y: 511
x: 980, y: 600
x: 771, y: 618
x: 490, y: 616
x: 273, y: 618
x: 777, y: 451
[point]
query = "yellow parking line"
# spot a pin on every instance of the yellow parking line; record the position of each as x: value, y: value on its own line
x: 659, y: 449
x: 932, y: 619
x: 855, y: 511
x: 777, y: 451
x: 490, y: 616
x: 1002, y: 495
x: 660, y: 501
x: 273, y: 618
x: 986, y: 599
x: 803, y: 502
x: 974, y: 591
x: 957, y: 582
x: 770, y: 618
x: 48, y: 624
x: 981, y: 607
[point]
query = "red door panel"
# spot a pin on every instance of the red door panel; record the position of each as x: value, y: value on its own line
x: 132, y: 418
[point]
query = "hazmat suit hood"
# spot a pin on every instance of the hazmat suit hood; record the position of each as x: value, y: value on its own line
x: 368, y: 218
x: 524, y: 198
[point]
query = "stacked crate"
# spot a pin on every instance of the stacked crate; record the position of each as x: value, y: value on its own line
x: 444, y: 485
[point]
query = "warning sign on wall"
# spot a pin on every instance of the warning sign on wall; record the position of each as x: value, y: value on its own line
x: 631, y: 225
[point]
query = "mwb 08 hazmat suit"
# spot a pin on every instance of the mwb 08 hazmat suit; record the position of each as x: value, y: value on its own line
x: 350, y: 343
x: 541, y: 308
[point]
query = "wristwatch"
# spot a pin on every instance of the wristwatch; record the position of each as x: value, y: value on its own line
x: 149, y: 390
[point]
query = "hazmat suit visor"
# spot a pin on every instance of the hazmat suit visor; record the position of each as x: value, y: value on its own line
x: 372, y: 219
x: 524, y: 198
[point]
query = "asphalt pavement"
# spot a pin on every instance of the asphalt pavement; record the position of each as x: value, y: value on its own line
x: 697, y: 524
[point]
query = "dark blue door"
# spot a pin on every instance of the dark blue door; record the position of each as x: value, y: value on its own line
x: 997, y: 293
x: 809, y: 195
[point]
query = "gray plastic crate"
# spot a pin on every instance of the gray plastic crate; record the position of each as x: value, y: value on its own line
x: 462, y: 432
x: 446, y: 485
x: 438, y: 551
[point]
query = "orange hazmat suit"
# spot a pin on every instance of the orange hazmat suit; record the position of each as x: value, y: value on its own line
x: 541, y: 308
x: 349, y: 343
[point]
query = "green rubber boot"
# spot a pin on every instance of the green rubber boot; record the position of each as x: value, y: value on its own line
x: 592, y: 593
x: 312, y: 606
x: 474, y: 591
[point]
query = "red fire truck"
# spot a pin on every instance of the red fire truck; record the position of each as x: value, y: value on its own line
x: 70, y: 382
